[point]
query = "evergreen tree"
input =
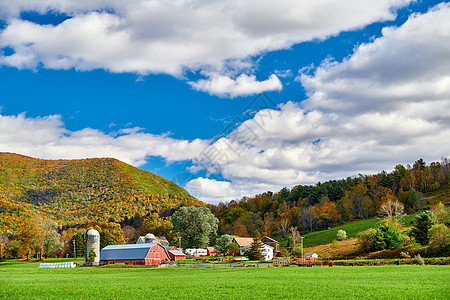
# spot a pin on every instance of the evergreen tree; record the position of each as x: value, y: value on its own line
x: 255, y: 250
x: 422, y: 225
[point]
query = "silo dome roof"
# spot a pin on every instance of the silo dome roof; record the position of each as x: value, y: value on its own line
x: 93, y: 232
x: 149, y: 236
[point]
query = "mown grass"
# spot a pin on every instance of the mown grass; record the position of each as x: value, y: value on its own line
x: 352, y: 229
x: 26, y: 281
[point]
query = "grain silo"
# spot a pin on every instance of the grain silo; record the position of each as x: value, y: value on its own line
x: 93, y: 242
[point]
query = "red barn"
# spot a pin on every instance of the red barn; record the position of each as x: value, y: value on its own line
x: 134, y: 254
x: 175, y: 253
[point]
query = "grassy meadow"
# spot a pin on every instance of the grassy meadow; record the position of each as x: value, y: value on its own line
x: 20, y: 280
x: 352, y: 229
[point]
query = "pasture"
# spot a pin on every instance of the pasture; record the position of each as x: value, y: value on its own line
x: 20, y: 280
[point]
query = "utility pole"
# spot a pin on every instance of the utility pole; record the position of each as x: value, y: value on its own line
x: 179, y: 243
x: 1, y: 245
x: 75, y: 252
x: 301, y: 238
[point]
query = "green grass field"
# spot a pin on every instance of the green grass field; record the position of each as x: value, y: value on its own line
x: 352, y: 229
x: 26, y: 281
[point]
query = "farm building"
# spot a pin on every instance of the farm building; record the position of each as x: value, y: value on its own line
x: 134, y: 254
x: 175, y: 253
x: 211, y: 251
x: 150, y: 238
x: 244, y: 243
x: 271, y: 242
x: 266, y: 251
x: 196, y: 252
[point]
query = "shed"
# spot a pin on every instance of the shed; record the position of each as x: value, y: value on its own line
x: 211, y: 251
x: 134, y: 254
x: 311, y: 256
x: 175, y: 253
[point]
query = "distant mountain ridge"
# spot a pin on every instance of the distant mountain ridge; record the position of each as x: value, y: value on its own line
x: 83, y: 190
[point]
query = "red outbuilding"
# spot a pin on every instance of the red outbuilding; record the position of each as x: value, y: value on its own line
x: 175, y: 253
x: 134, y: 254
x: 211, y: 251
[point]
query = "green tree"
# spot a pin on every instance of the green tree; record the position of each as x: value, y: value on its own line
x: 232, y: 249
x: 255, y: 249
x: 388, y: 235
x: 223, y: 243
x: 196, y: 226
x: 92, y: 255
x: 421, y: 226
x: 106, y: 238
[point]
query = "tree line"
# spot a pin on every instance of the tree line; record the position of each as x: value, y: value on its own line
x: 315, y: 207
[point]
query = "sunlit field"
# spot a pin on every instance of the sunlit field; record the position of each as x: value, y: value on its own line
x: 25, y: 281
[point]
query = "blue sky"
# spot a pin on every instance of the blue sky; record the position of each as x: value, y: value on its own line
x: 283, y: 93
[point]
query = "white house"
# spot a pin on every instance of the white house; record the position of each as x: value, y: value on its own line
x: 266, y: 251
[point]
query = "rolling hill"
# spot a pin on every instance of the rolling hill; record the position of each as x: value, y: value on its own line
x: 77, y: 191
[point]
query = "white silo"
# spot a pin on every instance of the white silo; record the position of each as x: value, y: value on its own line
x: 150, y: 238
x: 93, y: 242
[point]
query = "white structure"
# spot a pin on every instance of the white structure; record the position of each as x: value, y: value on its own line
x: 149, y: 238
x: 196, y: 252
x: 266, y: 251
x: 58, y: 265
x: 93, y: 242
x: 311, y: 255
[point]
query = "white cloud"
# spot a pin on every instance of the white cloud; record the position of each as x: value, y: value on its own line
x: 388, y: 103
x: 243, y: 85
x: 47, y: 138
x: 170, y: 37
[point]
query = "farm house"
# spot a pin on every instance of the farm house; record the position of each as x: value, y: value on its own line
x: 244, y: 243
x: 134, y: 254
x: 271, y: 242
x: 175, y: 253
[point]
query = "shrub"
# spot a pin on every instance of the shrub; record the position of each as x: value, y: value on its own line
x: 418, y: 260
x: 296, y: 251
x: 365, y: 238
x: 341, y: 235
x: 439, y: 236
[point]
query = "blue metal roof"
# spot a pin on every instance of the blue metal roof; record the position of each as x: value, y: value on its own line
x: 128, y: 251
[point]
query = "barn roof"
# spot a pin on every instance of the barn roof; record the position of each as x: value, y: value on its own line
x: 128, y: 251
x: 267, y: 239
x: 177, y: 253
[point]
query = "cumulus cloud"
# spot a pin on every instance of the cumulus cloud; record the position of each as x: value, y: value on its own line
x: 387, y: 103
x: 243, y: 85
x: 46, y: 137
x: 170, y: 37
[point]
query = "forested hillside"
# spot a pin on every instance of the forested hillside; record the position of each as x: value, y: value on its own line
x: 324, y: 205
x: 78, y: 191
